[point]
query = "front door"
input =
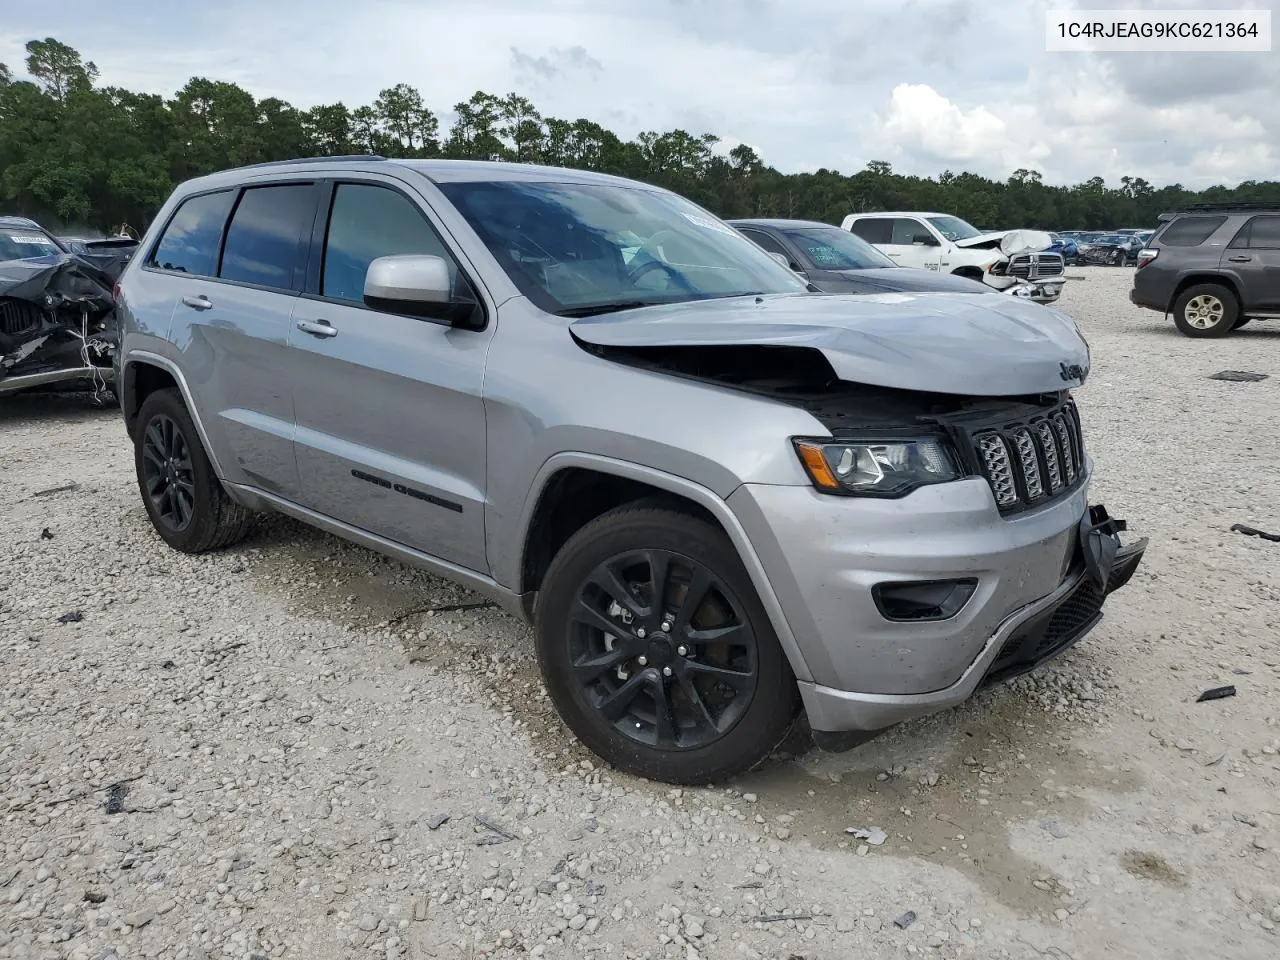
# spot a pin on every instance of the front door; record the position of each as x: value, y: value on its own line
x: 1254, y: 257
x: 390, y: 422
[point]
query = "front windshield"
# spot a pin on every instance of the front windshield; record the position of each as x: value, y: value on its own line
x: 576, y: 247
x: 830, y: 248
x: 953, y: 228
x: 23, y: 244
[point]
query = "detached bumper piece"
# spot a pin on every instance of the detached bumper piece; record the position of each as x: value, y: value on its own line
x: 1102, y: 565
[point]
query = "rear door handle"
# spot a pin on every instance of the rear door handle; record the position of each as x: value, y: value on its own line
x: 198, y: 303
x: 320, y: 328
x: 1239, y: 259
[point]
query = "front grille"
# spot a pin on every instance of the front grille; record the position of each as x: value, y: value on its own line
x: 18, y: 317
x: 1032, y: 462
x: 1036, y: 266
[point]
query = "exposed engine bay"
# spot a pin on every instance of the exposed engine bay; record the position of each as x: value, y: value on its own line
x: 57, y: 324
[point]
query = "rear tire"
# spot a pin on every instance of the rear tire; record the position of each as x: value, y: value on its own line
x: 658, y: 686
x: 1241, y: 322
x: 182, y: 495
x: 1206, y: 310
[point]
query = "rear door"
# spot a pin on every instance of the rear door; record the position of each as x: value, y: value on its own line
x: 236, y: 260
x: 1253, y: 258
x: 390, y: 418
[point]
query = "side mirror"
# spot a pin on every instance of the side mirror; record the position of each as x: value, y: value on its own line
x: 924, y: 240
x: 417, y: 285
x: 780, y: 258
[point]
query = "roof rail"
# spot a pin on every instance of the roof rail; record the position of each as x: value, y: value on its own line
x: 302, y: 160
x: 1232, y: 205
x: 14, y: 218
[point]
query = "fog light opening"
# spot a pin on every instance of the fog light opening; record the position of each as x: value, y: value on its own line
x: 914, y: 601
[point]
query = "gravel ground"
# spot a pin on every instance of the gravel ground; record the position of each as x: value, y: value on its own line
x: 316, y: 760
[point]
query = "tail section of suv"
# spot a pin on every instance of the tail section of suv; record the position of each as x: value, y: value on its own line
x: 1214, y: 267
x: 720, y: 498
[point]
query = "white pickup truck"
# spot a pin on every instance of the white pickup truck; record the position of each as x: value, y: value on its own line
x: 939, y: 241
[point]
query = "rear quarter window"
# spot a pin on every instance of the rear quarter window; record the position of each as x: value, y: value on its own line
x: 191, y: 240
x: 1190, y: 231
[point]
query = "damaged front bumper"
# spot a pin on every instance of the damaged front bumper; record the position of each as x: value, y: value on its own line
x: 1100, y: 564
x: 57, y: 324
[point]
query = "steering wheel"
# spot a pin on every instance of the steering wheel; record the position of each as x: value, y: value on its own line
x: 649, y: 248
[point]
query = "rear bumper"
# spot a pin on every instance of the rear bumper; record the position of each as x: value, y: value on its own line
x: 1027, y: 638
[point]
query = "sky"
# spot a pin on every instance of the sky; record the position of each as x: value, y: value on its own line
x: 927, y: 85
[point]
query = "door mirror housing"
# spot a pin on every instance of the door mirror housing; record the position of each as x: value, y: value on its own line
x: 419, y: 285
x: 924, y: 240
x: 780, y: 258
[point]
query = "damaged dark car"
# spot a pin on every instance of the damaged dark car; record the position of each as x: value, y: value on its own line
x: 57, y: 312
x: 723, y: 499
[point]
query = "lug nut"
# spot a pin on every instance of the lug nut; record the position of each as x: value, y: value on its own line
x: 643, y: 661
x: 682, y: 650
x: 640, y: 633
x: 666, y: 625
x: 666, y: 671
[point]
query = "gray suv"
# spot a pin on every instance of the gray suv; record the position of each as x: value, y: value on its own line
x: 1214, y: 267
x: 720, y: 498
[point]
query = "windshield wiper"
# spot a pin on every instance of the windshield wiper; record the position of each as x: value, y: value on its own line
x: 611, y: 307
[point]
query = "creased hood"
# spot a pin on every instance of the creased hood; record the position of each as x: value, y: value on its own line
x: 959, y: 343
x: 903, y: 279
x: 1010, y: 242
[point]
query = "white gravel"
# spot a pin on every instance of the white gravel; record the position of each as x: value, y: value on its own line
x: 293, y: 729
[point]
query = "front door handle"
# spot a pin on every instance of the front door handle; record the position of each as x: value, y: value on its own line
x: 198, y: 303
x: 1239, y: 259
x: 320, y: 328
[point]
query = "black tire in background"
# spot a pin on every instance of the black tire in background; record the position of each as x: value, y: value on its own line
x: 1240, y: 322
x: 181, y: 494
x: 726, y: 691
x: 1206, y: 310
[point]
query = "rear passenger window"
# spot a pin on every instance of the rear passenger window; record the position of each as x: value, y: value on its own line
x: 368, y: 222
x: 873, y: 229
x: 190, y: 241
x: 1190, y: 231
x: 265, y: 240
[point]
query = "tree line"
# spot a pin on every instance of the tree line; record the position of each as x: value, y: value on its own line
x: 75, y: 152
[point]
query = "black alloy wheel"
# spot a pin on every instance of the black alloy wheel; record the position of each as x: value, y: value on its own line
x: 168, y: 473
x: 661, y: 651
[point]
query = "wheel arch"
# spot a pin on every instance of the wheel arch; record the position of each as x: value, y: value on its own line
x: 968, y: 270
x: 1195, y: 279
x: 571, y: 489
x: 144, y: 373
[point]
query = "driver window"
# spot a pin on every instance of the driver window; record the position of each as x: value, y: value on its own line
x: 367, y: 222
x: 906, y: 231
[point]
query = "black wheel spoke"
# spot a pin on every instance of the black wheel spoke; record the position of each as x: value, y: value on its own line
x: 583, y: 612
x: 614, y: 706
x: 606, y: 578
x: 699, y: 585
x: 590, y: 667
x: 182, y: 503
x: 737, y: 679
x: 664, y: 720
x: 152, y: 456
x: 659, y: 573
x: 701, y: 714
x: 729, y: 633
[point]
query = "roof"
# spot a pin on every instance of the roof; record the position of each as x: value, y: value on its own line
x: 778, y: 223
x: 901, y: 213
x: 437, y: 171
x: 8, y: 221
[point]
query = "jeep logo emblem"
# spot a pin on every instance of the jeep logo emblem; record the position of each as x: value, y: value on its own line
x: 1072, y: 371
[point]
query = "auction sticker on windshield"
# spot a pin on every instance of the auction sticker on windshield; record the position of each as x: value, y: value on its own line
x: 709, y: 224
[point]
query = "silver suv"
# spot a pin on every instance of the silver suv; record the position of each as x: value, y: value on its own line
x: 720, y: 497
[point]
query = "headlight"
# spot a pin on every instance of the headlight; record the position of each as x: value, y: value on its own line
x: 877, y: 468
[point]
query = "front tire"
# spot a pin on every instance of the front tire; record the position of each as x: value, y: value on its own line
x: 182, y: 495
x: 656, y: 650
x: 1206, y: 310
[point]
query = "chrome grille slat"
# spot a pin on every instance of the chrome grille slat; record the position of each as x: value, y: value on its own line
x: 995, y: 458
x: 1036, y: 266
x: 1030, y: 462
x: 1050, y: 447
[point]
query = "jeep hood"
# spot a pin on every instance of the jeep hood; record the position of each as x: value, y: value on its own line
x: 1010, y: 242
x: 960, y: 343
